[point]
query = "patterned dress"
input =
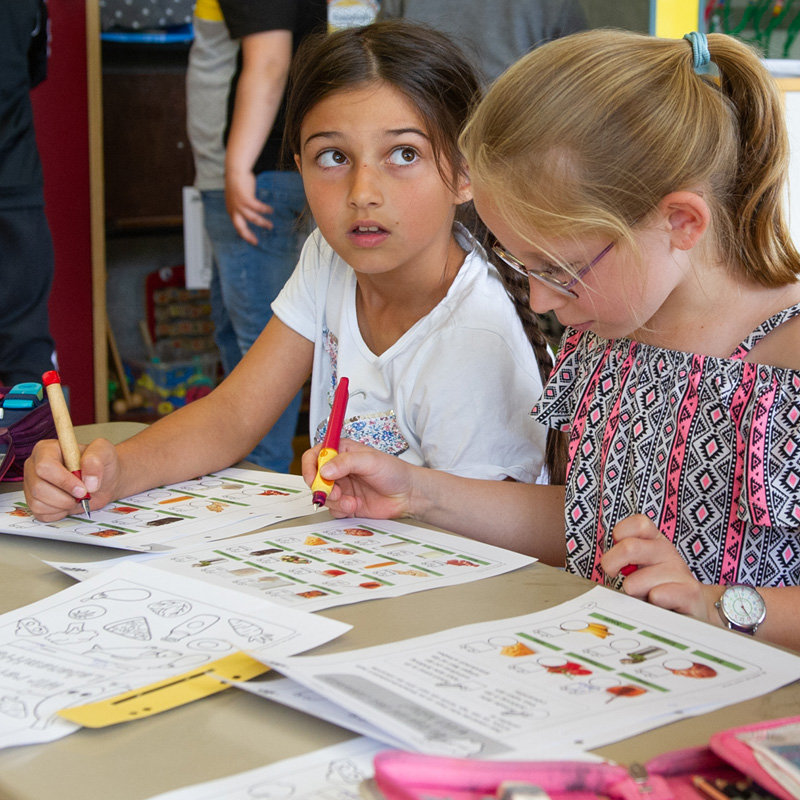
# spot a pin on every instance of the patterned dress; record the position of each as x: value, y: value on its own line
x: 708, y: 448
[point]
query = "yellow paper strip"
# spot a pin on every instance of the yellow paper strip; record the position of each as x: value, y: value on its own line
x: 166, y: 694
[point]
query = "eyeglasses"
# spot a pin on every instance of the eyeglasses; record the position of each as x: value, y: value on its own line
x: 561, y: 286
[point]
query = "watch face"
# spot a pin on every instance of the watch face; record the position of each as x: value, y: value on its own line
x: 743, y: 606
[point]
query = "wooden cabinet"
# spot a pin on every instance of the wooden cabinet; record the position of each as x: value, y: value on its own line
x: 147, y: 157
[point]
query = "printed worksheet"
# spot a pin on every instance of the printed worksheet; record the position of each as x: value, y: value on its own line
x: 125, y: 629
x: 332, y: 773
x: 295, y: 695
x: 331, y: 563
x: 213, y: 507
x: 585, y: 673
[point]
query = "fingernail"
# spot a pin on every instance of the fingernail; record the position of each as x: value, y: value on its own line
x: 91, y: 483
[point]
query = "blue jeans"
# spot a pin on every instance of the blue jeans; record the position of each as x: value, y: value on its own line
x: 245, y: 279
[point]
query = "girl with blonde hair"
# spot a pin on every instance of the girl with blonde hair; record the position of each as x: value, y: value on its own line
x: 638, y: 183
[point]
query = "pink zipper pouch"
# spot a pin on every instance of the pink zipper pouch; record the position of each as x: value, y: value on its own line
x: 732, y: 747
x: 409, y: 776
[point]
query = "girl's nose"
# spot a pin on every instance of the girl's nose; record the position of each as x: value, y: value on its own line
x: 365, y: 187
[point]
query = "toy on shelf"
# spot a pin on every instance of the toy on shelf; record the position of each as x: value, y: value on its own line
x: 166, y: 386
x: 183, y: 361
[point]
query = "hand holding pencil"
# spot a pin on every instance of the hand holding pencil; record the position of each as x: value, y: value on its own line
x: 66, y: 434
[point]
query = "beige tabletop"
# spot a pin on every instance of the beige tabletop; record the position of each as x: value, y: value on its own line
x: 234, y: 731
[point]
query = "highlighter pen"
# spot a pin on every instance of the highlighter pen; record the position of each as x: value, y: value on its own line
x: 66, y: 435
x: 330, y: 444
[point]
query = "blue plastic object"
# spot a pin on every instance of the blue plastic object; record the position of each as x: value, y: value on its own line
x: 176, y: 35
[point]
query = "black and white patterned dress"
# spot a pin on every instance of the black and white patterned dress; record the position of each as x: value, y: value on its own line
x: 708, y: 448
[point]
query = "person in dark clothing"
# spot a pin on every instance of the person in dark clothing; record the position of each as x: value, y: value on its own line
x: 26, y: 247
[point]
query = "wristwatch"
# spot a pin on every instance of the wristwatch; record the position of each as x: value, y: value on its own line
x: 742, y: 608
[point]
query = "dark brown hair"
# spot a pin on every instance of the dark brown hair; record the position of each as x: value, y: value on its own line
x: 418, y: 61
x: 435, y: 76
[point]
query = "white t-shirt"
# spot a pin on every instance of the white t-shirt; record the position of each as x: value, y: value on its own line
x: 453, y: 393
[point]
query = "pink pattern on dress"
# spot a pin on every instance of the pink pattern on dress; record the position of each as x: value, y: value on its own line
x: 686, y: 413
x: 603, y: 533
x: 708, y: 448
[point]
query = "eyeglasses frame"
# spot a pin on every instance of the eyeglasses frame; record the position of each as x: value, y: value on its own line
x: 562, y: 287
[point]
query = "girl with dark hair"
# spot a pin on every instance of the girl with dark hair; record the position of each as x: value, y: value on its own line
x: 390, y: 291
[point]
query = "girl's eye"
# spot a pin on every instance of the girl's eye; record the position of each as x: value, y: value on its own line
x: 403, y: 155
x: 555, y: 272
x: 331, y: 158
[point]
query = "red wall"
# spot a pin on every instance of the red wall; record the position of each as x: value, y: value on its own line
x: 62, y: 131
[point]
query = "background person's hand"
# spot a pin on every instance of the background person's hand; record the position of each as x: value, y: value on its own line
x: 244, y: 207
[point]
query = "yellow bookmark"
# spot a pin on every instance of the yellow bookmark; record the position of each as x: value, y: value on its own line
x: 166, y: 694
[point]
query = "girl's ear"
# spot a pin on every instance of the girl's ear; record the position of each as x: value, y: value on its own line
x: 688, y: 216
x: 297, y: 163
x: 464, y: 189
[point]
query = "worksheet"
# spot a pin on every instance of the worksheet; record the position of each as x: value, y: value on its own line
x: 301, y: 698
x: 213, y: 507
x: 125, y: 629
x: 332, y: 563
x: 581, y: 674
x: 332, y: 773
x: 294, y: 695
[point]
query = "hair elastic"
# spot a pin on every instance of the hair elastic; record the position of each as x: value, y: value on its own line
x: 700, y: 53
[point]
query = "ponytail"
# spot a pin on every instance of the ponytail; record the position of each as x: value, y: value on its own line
x: 759, y: 235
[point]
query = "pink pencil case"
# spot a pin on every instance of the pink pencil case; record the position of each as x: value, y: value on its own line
x: 729, y: 746
x: 409, y: 776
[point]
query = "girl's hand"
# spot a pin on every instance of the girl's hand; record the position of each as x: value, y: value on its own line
x: 52, y: 491
x: 368, y: 483
x: 662, y: 576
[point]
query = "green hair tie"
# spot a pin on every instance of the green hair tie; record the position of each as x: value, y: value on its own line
x: 701, y: 55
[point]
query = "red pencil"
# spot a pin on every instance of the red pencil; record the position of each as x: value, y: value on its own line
x: 330, y: 443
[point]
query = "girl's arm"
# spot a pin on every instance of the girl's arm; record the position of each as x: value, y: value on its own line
x: 209, y: 434
x: 266, y: 57
x: 663, y: 578
x: 519, y: 516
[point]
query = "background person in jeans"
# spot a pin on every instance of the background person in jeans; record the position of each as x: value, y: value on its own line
x: 255, y: 227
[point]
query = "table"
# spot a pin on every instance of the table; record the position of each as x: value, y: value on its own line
x: 234, y: 731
